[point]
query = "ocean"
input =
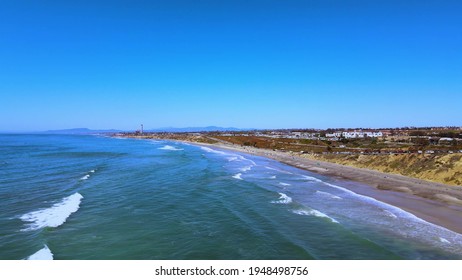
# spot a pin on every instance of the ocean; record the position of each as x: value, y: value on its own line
x: 94, y: 197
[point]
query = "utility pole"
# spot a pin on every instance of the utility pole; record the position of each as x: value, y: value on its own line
x: 141, y: 129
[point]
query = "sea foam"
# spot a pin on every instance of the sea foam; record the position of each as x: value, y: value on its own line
x: 54, y: 216
x: 170, y: 148
x: 329, y: 195
x: 238, y: 176
x: 444, y: 240
x: 313, y: 212
x: 246, y: 168
x: 309, y: 178
x: 42, y: 254
x: 283, y: 199
x: 209, y: 150
x: 284, y: 184
x: 232, y: 157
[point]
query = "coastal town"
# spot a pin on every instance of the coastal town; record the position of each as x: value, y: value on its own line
x: 407, y: 140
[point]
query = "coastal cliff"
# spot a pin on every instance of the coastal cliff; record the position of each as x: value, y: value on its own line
x: 446, y: 169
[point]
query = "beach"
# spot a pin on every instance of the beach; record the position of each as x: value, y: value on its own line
x: 433, y: 202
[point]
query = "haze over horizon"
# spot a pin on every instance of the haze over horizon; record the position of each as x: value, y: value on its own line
x: 245, y: 64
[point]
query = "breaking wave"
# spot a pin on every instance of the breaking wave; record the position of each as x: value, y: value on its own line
x: 313, y: 212
x: 170, y: 148
x: 309, y: 178
x: 238, y: 176
x: 54, y: 216
x: 283, y: 199
x: 42, y: 254
x: 326, y: 194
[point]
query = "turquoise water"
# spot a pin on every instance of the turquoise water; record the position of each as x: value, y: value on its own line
x: 89, y: 197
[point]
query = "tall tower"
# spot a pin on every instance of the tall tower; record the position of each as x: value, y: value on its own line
x: 141, y: 129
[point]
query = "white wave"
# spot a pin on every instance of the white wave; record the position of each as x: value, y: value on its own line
x: 54, y: 216
x: 170, y: 148
x: 249, y: 160
x: 283, y: 199
x: 85, y: 177
x: 245, y: 169
x: 444, y: 240
x: 309, y: 178
x: 92, y: 171
x: 231, y: 157
x: 238, y: 176
x: 420, y: 228
x: 328, y: 195
x: 42, y: 254
x: 393, y: 209
x: 283, y: 184
x: 273, y: 177
x: 314, y: 212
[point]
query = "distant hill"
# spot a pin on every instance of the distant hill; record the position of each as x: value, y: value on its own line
x: 196, y: 129
x: 81, y: 131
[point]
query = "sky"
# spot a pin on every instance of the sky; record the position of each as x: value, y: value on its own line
x: 246, y: 64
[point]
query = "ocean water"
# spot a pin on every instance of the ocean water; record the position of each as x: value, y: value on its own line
x: 90, y: 197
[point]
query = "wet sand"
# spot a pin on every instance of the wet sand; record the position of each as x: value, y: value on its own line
x: 433, y: 202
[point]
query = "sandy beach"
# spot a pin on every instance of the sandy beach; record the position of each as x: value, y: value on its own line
x: 434, y: 202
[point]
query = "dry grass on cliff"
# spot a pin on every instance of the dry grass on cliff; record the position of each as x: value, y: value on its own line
x: 446, y: 169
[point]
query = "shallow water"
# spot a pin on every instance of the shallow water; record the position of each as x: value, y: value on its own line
x: 89, y: 197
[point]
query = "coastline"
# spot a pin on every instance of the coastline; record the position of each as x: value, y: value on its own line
x: 436, y: 203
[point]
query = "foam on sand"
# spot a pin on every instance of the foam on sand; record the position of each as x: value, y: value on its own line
x: 238, y: 176
x: 54, y: 216
x: 283, y: 199
x: 170, y: 148
x: 42, y: 254
x: 313, y: 212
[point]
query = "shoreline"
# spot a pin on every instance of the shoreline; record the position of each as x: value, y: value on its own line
x: 436, y: 203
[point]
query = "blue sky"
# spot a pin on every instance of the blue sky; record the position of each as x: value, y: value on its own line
x: 249, y: 64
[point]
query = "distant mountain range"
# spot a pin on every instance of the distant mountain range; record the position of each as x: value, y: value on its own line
x: 164, y: 129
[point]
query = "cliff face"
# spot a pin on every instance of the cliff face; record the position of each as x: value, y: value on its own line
x: 446, y: 169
